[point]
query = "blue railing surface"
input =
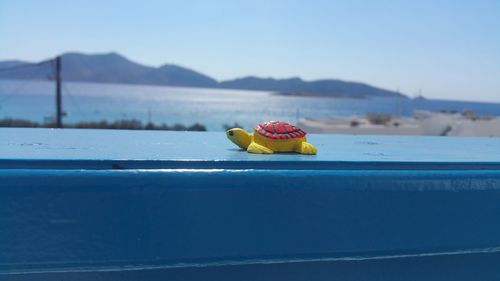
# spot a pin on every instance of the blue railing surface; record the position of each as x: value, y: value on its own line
x: 144, y: 205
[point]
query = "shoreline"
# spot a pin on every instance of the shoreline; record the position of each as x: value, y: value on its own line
x: 317, y: 95
x: 123, y: 124
x: 422, y: 123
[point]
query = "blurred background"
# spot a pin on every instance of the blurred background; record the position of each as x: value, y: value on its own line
x: 357, y: 67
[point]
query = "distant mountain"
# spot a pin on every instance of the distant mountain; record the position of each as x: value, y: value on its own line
x: 109, y: 68
x: 104, y: 68
x: 114, y: 68
x: 16, y: 69
x: 10, y: 63
x: 174, y: 75
x: 299, y: 87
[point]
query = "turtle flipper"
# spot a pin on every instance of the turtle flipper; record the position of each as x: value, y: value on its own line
x: 305, y: 148
x: 257, y: 148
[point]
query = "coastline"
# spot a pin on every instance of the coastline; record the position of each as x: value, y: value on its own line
x: 318, y: 95
x: 422, y: 123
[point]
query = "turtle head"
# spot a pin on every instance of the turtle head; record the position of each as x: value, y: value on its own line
x: 239, y: 137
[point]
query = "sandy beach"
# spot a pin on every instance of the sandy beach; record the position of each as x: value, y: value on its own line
x: 423, y: 123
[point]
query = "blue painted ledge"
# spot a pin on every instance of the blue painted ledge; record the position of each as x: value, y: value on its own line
x: 90, y: 204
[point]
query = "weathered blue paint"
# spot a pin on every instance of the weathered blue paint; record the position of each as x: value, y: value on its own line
x: 189, y: 205
x: 66, y: 144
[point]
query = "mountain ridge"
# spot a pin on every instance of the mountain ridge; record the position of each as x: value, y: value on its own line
x: 115, y: 68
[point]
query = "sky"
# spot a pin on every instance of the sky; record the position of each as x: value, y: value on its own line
x: 447, y: 49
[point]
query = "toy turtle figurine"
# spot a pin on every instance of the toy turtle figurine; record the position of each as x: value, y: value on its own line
x: 270, y: 137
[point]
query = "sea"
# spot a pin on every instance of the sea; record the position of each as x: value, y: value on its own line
x: 214, y: 108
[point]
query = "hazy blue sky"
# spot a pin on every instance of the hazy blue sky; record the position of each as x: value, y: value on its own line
x: 447, y: 48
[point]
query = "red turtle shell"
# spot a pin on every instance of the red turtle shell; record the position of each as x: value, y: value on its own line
x: 279, y: 130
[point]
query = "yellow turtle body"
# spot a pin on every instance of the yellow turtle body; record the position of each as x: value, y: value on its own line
x: 270, y: 137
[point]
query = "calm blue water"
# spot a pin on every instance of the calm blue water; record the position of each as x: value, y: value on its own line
x: 35, y: 100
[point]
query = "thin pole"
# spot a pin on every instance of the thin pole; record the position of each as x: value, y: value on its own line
x: 58, y: 93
